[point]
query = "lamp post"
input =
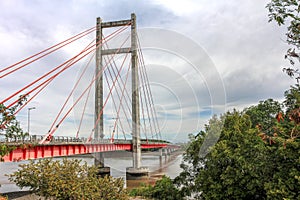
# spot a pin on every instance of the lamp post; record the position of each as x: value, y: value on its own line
x: 111, y: 126
x: 115, y: 118
x: 28, y: 125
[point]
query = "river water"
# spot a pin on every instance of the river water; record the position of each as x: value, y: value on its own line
x: 117, y: 161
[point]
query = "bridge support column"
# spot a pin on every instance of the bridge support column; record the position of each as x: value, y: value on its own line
x: 166, y: 154
x: 135, y: 172
x: 160, y: 159
x: 98, y: 132
x: 103, y: 171
x: 161, y: 153
x: 99, y: 162
x: 99, y: 159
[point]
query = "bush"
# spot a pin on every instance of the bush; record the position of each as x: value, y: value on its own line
x: 67, y: 179
x: 163, y: 189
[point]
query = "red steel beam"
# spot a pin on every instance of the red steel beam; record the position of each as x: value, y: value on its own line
x: 27, y: 152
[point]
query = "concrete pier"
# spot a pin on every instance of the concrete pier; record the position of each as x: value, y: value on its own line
x: 103, y: 171
x: 99, y: 162
x: 137, y: 173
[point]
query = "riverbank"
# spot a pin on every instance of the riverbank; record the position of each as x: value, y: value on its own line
x: 23, y: 195
x: 28, y: 196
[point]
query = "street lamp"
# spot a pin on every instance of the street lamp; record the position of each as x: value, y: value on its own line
x: 116, y: 118
x: 111, y: 126
x: 28, y: 125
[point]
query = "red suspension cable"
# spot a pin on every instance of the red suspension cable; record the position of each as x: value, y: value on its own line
x: 113, y: 70
x: 119, y: 97
x: 72, y: 40
x: 45, y: 84
x: 74, y: 87
x: 150, y: 96
x: 122, y: 95
x: 110, y: 91
x: 51, y: 78
x: 113, y: 99
x: 51, y: 132
x: 83, y: 112
x: 143, y: 114
x: 56, y: 68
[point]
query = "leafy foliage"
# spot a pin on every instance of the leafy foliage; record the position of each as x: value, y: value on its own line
x: 9, y: 124
x: 289, y: 126
x: 163, y: 189
x: 256, y: 157
x: 67, y: 179
x: 242, y: 165
x: 232, y: 169
x: 10, y: 127
x: 143, y: 190
x: 4, y: 150
x: 287, y: 11
x: 283, y: 161
x: 292, y: 98
x: 263, y: 116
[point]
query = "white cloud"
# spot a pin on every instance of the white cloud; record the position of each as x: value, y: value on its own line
x: 181, y: 8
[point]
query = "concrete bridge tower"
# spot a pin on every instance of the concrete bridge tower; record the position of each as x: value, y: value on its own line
x: 136, y: 171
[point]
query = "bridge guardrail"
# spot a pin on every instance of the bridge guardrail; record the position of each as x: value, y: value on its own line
x: 34, y: 139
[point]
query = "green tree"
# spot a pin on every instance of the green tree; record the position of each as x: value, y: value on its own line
x: 292, y: 98
x: 67, y: 179
x: 232, y: 169
x: 196, y: 152
x: 263, y: 115
x: 243, y: 164
x: 163, y: 189
x: 285, y: 150
x: 10, y: 127
x: 283, y: 161
x: 287, y: 12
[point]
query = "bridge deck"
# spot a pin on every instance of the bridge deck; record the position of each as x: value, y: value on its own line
x: 28, y: 151
x: 29, y: 148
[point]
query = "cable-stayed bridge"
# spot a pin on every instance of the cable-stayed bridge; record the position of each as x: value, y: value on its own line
x: 119, y: 82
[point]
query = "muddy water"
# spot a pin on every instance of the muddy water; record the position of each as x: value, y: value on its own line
x: 117, y: 161
x: 167, y: 165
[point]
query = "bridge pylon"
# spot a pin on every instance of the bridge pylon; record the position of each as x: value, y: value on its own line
x: 98, y: 132
x: 136, y: 171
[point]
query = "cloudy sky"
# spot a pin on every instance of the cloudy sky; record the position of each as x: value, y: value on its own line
x: 203, y: 57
